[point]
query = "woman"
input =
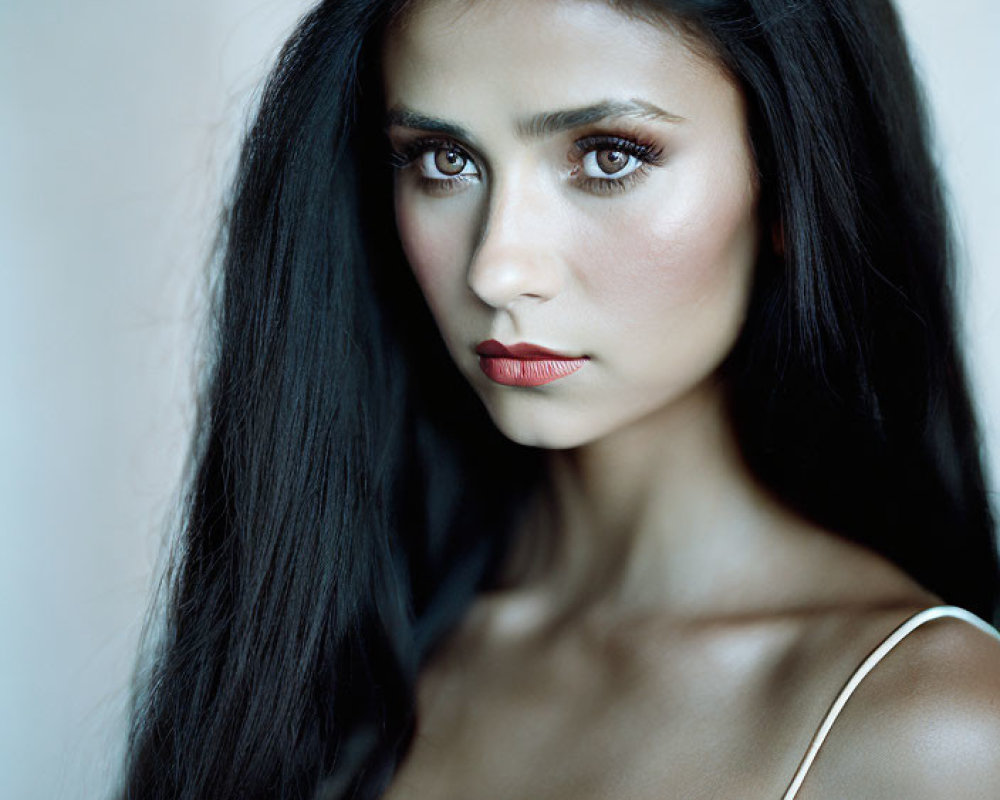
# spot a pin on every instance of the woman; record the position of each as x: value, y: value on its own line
x: 707, y: 444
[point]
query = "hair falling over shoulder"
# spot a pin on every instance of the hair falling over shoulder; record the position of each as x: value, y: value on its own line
x: 342, y: 513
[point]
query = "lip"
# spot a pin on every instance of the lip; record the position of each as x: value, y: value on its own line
x: 491, y: 347
x: 525, y: 364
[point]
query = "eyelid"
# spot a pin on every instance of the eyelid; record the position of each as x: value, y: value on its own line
x: 633, y: 146
x: 648, y: 154
x: 410, y: 151
x: 409, y: 154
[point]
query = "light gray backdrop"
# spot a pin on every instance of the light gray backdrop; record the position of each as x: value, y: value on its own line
x: 118, y: 123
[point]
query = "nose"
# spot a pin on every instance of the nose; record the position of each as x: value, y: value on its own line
x: 517, y: 258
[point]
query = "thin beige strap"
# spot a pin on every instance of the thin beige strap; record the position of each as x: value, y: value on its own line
x: 861, y: 673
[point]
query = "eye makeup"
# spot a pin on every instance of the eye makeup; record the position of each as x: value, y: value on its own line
x: 589, y: 174
x: 600, y: 163
x: 423, y: 155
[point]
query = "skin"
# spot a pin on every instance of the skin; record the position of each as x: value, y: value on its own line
x: 667, y: 629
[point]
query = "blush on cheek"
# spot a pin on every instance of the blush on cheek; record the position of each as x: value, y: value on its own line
x: 666, y: 261
x: 427, y: 250
x: 437, y: 236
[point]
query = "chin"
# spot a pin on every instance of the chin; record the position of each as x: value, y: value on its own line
x: 557, y: 423
x: 546, y: 429
x: 545, y: 440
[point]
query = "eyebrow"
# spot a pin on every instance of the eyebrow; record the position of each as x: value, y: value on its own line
x: 551, y: 122
x: 407, y: 118
x: 538, y: 125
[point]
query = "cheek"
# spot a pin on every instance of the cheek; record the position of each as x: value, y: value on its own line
x: 434, y: 245
x: 676, y: 275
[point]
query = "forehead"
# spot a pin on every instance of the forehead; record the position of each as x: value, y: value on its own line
x: 528, y: 55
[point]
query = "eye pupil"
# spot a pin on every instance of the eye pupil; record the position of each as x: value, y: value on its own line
x: 449, y: 161
x: 611, y: 161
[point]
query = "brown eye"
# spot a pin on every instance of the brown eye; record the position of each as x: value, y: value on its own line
x: 609, y: 164
x: 449, y: 161
x: 611, y: 161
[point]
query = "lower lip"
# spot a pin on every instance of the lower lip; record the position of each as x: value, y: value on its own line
x: 528, y: 371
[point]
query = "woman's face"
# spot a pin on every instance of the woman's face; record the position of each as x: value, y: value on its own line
x: 573, y: 179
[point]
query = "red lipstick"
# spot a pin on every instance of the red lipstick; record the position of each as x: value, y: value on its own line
x: 525, y: 364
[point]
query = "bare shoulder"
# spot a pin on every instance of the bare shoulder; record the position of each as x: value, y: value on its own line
x: 924, y: 724
x: 949, y: 696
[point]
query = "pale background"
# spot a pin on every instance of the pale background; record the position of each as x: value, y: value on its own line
x: 118, y: 123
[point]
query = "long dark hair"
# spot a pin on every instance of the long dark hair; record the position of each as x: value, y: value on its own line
x: 350, y: 497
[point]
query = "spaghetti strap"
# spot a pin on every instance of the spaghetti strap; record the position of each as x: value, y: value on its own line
x: 880, y: 652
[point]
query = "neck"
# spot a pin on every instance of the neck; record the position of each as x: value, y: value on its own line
x: 661, y: 514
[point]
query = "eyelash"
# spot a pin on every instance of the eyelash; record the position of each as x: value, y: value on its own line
x: 411, y: 151
x: 648, y: 154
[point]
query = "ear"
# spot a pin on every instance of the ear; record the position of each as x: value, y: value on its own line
x: 778, y: 238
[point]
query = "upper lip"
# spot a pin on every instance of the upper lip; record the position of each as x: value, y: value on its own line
x: 492, y: 347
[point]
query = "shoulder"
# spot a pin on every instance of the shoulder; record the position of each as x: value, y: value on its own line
x: 925, y: 723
